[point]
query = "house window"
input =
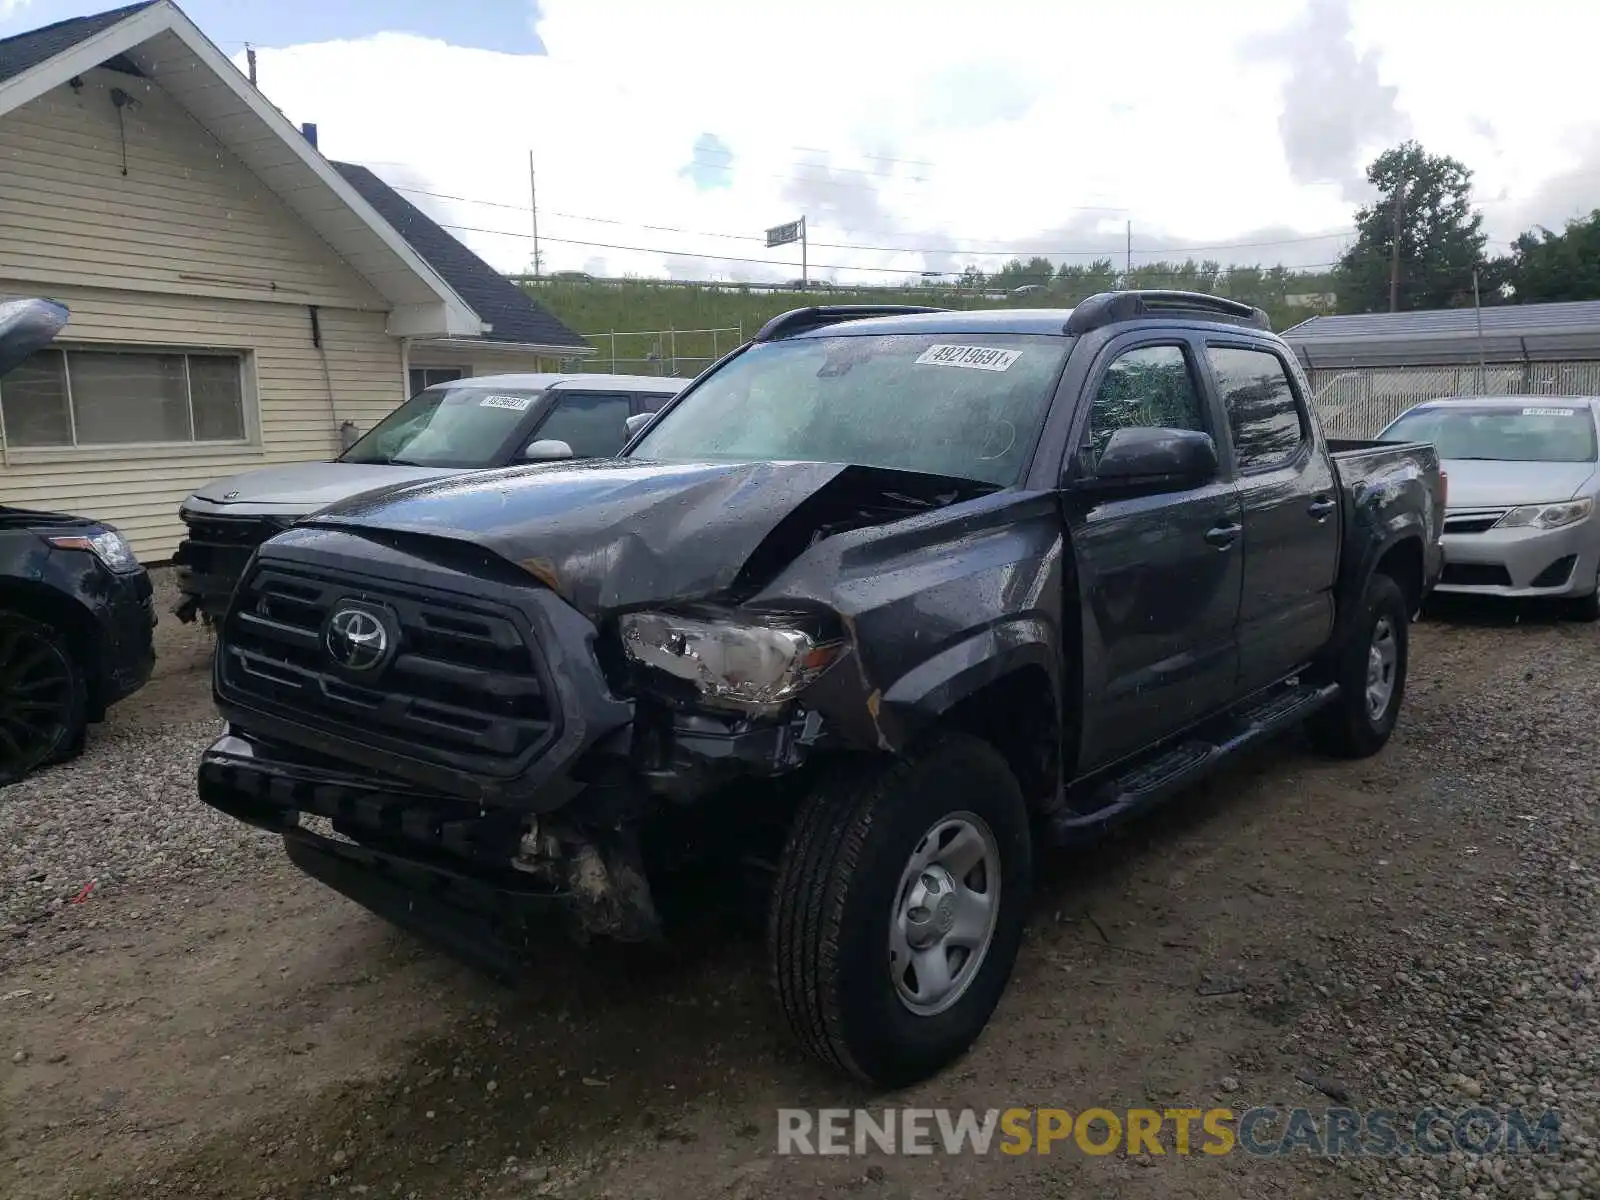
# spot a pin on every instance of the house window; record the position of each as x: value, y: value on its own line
x: 426, y: 377
x: 122, y: 397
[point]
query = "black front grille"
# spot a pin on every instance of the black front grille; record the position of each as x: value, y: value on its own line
x: 222, y: 545
x: 1475, y: 575
x: 464, y: 686
x: 1472, y: 522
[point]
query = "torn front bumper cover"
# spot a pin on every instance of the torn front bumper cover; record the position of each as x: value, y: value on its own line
x: 485, y: 881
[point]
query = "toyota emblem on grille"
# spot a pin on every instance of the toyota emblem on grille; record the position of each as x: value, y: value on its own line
x: 357, y: 639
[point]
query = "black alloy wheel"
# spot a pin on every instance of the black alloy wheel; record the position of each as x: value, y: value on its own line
x: 42, y: 696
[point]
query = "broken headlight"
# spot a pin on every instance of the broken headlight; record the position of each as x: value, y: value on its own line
x: 747, y: 662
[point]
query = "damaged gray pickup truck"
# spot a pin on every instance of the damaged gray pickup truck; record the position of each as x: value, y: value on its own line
x: 883, y: 601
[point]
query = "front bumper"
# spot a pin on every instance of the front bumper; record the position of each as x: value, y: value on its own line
x: 485, y: 881
x: 1523, y: 563
x: 126, y: 619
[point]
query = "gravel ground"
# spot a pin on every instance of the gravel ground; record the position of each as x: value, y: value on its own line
x: 1417, y: 930
x: 124, y: 812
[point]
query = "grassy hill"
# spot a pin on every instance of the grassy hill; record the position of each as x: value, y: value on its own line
x: 651, y: 327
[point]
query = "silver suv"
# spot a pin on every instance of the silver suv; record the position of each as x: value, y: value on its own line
x: 449, y: 428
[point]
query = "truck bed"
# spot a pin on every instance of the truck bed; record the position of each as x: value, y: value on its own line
x: 1361, y: 461
x: 1377, y: 481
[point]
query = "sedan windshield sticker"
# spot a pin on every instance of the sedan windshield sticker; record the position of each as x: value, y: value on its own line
x: 516, y: 403
x: 980, y: 358
x: 1548, y: 412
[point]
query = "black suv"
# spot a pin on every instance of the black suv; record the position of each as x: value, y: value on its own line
x: 76, y: 616
x: 881, y: 601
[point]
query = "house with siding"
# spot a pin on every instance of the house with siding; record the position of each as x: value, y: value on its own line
x: 236, y: 297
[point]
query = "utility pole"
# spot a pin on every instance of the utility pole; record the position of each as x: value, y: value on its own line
x: 1394, y: 250
x: 1477, y: 311
x: 1127, y: 277
x: 533, y: 200
x: 250, y: 58
x: 805, y: 276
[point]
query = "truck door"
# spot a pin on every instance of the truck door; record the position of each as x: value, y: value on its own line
x: 1158, y: 575
x: 1290, y: 499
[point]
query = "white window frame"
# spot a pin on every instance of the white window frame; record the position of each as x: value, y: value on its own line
x: 249, y: 394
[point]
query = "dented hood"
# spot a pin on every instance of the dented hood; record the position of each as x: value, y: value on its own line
x: 609, y: 533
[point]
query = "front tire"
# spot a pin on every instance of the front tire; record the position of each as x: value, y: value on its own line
x: 1371, y: 674
x: 1584, y: 608
x: 898, y: 910
x: 43, y: 696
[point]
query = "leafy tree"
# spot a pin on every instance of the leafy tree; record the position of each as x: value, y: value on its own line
x: 1547, y: 266
x: 1078, y: 281
x: 1441, y: 239
x: 1016, y: 273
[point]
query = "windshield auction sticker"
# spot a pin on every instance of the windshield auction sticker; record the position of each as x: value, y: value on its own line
x: 1548, y: 412
x: 979, y: 358
x: 516, y: 403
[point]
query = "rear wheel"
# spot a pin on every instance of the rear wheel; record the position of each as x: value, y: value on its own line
x: 1371, y: 674
x: 898, y: 910
x: 43, y: 696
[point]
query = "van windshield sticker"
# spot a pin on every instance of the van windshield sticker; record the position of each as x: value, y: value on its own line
x: 978, y: 358
x: 1548, y: 412
x: 517, y: 403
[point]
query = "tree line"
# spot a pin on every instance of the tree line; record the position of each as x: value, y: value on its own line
x: 1420, y: 244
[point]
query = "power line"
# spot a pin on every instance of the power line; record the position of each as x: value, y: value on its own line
x: 955, y: 250
x: 771, y: 262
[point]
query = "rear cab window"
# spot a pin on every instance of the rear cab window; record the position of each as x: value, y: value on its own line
x: 1266, y: 418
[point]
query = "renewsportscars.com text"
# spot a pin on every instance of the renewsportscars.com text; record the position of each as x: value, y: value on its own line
x: 1263, y: 1130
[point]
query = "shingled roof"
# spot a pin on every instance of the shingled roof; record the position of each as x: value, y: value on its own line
x: 512, y: 313
x: 1565, y: 331
x: 27, y: 50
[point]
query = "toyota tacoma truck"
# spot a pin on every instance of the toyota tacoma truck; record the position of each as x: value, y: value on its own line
x: 461, y: 425
x: 882, y: 602
x: 76, y: 613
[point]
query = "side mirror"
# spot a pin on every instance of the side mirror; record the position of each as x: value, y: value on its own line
x: 637, y: 422
x: 546, y: 450
x: 27, y: 325
x: 1144, y: 459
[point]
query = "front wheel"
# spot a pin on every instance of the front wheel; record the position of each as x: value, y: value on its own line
x: 898, y: 909
x: 1371, y: 674
x: 1584, y: 608
x: 43, y: 696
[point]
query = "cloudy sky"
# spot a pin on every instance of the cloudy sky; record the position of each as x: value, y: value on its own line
x: 922, y: 134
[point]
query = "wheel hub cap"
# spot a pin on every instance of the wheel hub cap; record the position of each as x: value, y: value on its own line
x: 944, y: 913
x: 1382, y: 656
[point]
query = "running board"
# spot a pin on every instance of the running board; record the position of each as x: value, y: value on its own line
x: 1151, y: 780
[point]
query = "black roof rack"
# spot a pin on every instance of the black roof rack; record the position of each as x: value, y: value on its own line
x: 1110, y: 308
x: 798, y: 320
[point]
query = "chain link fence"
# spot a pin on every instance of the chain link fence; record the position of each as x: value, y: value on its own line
x: 1359, y: 403
x: 683, y: 353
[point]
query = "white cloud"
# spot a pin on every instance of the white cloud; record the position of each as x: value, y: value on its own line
x: 10, y: 8
x: 950, y: 126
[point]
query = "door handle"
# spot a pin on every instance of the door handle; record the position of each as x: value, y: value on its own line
x: 1224, y: 535
x: 1321, y: 506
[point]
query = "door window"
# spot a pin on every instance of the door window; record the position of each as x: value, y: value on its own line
x: 594, y: 424
x: 1149, y: 386
x: 1263, y: 414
